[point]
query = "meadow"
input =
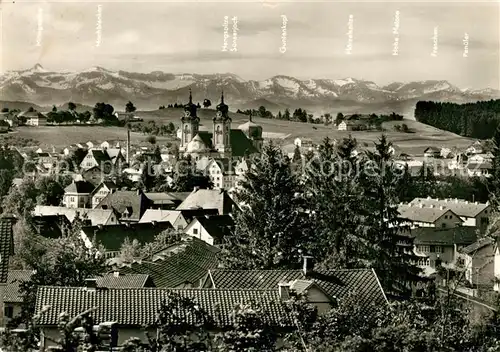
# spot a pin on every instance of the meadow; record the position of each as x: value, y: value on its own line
x: 414, y: 143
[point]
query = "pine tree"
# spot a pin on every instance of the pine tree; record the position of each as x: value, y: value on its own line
x: 268, y: 232
x: 390, y: 251
x: 297, y: 157
x: 335, y: 201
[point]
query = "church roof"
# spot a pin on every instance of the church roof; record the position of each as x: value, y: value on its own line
x: 246, y: 126
x: 197, y: 145
x: 240, y: 144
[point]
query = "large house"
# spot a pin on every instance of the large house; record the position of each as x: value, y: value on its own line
x: 33, y: 118
x: 106, y: 160
x: 419, y: 215
x: 436, y: 244
x: 175, y: 217
x: 472, y: 213
x: 130, y: 205
x: 94, y: 217
x: 222, y: 142
x: 77, y: 194
x: 101, y: 191
x: 209, y: 199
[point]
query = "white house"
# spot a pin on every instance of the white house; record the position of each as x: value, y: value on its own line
x: 473, y: 214
x: 175, y: 217
x: 101, y: 191
x: 431, y: 216
x: 211, y: 228
x: 475, y: 148
x: 303, y: 142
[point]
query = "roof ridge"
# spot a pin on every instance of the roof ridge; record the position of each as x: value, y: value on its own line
x: 202, y: 289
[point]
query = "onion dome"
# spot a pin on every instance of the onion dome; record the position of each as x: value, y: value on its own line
x: 222, y: 110
x: 190, y: 109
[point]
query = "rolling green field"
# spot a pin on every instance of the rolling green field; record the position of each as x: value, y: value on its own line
x: 414, y: 143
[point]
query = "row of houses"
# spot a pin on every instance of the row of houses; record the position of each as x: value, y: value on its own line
x: 130, y: 295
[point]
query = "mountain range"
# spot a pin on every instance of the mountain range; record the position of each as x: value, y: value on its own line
x: 149, y: 90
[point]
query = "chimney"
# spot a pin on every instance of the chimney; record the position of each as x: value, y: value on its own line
x: 91, y: 284
x: 196, y: 188
x: 284, y: 290
x: 476, y: 203
x: 128, y: 144
x: 307, y: 268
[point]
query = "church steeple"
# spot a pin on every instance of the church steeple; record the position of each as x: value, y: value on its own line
x: 189, y: 123
x: 222, y: 128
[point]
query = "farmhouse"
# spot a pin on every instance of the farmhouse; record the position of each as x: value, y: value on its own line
x: 77, y: 195
x: 432, y: 152
x: 34, y: 118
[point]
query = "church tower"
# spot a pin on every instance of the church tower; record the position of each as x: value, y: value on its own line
x: 190, y: 123
x: 222, y: 129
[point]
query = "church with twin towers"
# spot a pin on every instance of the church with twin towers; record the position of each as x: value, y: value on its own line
x: 221, y: 141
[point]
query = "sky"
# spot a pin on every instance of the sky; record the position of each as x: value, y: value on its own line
x: 187, y: 37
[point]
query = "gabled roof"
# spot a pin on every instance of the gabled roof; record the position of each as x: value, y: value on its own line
x: 160, y: 215
x: 15, y: 278
x: 108, y: 184
x: 335, y: 283
x: 134, y: 202
x: 218, y: 226
x: 240, y: 144
x: 162, y: 198
x: 139, y: 306
x: 95, y: 216
x: 432, y: 149
x: 208, y: 199
x: 458, y: 206
x: 6, y: 246
x: 422, y: 214
x: 479, y: 244
x: 100, y: 156
x: 461, y: 235
x: 123, y: 281
x: 80, y: 187
x: 185, y: 262
x: 113, y: 236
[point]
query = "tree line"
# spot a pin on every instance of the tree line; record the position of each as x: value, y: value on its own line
x: 476, y: 120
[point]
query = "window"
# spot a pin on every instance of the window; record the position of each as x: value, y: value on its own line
x: 424, y: 249
x: 485, y: 221
x: 71, y: 199
x: 195, y: 231
x: 9, y: 311
x: 438, y: 249
x: 443, y: 225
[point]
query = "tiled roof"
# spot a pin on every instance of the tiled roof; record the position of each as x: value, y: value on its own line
x: 163, y: 198
x: 100, y: 156
x: 479, y: 165
x: 113, y: 236
x: 6, y: 246
x: 160, y: 215
x: 483, y: 242
x: 461, y: 235
x: 184, y: 263
x: 95, y: 216
x: 458, y: 206
x: 139, y: 306
x: 208, y: 199
x: 15, y: 278
x: 136, y: 204
x: 421, y: 214
x: 335, y: 283
x: 218, y: 226
x: 123, y: 281
x: 79, y: 187
x: 240, y: 144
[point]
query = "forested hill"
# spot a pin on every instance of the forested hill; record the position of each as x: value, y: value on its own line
x: 476, y: 120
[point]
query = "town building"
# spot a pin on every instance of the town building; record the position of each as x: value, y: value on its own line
x: 478, y: 261
x: 209, y: 199
x: 33, y: 118
x: 222, y: 142
x: 175, y: 217
x: 419, y: 215
x: 77, y: 195
x: 101, y: 191
x: 213, y: 229
x: 94, y: 217
x: 473, y: 214
x: 129, y: 205
x: 432, y: 152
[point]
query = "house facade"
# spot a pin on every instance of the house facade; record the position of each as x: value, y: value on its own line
x: 101, y: 191
x: 418, y: 215
x: 211, y: 229
x: 473, y: 214
x: 77, y: 195
x: 478, y: 260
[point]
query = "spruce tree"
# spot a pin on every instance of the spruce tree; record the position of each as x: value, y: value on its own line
x: 268, y: 232
x: 390, y: 250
